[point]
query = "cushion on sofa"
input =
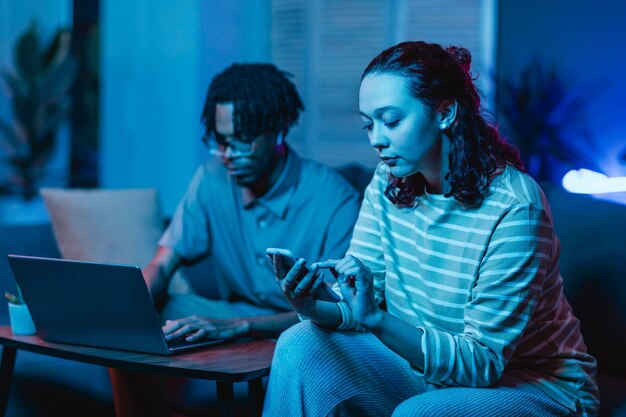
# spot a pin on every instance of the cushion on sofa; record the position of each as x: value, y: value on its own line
x: 117, y: 226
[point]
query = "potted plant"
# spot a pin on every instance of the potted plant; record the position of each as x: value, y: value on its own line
x: 39, y: 94
x: 19, y: 315
x: 540, y: 114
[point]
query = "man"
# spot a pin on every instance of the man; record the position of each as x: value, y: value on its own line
x: 256, y: 193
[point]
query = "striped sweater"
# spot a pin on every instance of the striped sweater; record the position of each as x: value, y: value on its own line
x: 482, y: 283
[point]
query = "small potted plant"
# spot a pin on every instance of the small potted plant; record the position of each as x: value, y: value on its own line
x: 19, y: 316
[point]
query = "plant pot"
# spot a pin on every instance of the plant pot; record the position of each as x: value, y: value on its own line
x: 21, y: 321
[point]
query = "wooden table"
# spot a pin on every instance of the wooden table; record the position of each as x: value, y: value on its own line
x: 235, y: 362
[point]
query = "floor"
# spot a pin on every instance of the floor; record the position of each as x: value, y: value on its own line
x: 50, y: 387
x: 56, y: 387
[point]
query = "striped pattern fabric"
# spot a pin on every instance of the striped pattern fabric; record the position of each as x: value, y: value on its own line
x: 483, y: 284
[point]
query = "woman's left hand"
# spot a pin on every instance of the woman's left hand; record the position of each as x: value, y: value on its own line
x: 357, y: 287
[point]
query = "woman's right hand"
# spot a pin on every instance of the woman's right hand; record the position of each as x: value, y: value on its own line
x: 299, y: 285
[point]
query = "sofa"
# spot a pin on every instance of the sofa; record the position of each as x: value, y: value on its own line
x: 592, y: 234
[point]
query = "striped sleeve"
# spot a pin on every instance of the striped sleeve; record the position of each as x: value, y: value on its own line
x: 500, y: 305
x: 366, y: 245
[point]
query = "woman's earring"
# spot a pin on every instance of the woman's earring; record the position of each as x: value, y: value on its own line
x: 443, y: 126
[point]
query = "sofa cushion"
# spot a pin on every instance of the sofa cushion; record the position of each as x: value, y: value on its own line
x: 117, y: 226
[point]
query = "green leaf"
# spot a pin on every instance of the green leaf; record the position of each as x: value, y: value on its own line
x: 43, y: 148
x: 51, y: 123
x: 28, y: 54
x: 58, y: 49
x: 59, y: 80
x: 12, y: 299
x: 17, y: 87
x: 25, y: 110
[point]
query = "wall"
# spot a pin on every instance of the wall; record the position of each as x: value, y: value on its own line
x: 585, y: 41
x: 158, y: 58
x: 326, y: 44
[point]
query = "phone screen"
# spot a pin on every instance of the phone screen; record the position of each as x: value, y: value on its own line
x: 288, y: 260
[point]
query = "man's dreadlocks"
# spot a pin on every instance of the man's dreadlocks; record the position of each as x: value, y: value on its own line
x: 264, y: 99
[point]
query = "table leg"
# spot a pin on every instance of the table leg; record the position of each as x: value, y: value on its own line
x: 225, y: 398
x: 256, y: 394
x: 6, y: 375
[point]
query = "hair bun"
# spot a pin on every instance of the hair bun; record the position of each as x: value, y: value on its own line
x: 462, y: 57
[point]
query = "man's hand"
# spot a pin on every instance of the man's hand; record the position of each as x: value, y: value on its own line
x: 194, y: 328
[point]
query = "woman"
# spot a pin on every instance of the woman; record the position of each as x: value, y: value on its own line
x: 451, y: 285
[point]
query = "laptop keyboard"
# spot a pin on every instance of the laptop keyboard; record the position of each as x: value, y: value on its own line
x: 182, y: 344
x: 182, y: 341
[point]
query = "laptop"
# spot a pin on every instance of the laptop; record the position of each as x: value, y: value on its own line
x: 96, y: 304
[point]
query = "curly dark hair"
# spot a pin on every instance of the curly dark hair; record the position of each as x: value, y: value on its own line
x: 265, y: 100
x: 435, y: 76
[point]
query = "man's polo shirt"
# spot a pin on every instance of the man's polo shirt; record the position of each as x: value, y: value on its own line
x: 311, y: 210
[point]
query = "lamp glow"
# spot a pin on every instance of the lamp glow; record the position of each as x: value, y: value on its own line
x: 585, y: 181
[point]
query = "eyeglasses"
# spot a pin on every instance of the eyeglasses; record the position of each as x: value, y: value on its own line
x: 218, y: 146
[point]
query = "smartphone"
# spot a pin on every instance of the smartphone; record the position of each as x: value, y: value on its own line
x: 323, y: 293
